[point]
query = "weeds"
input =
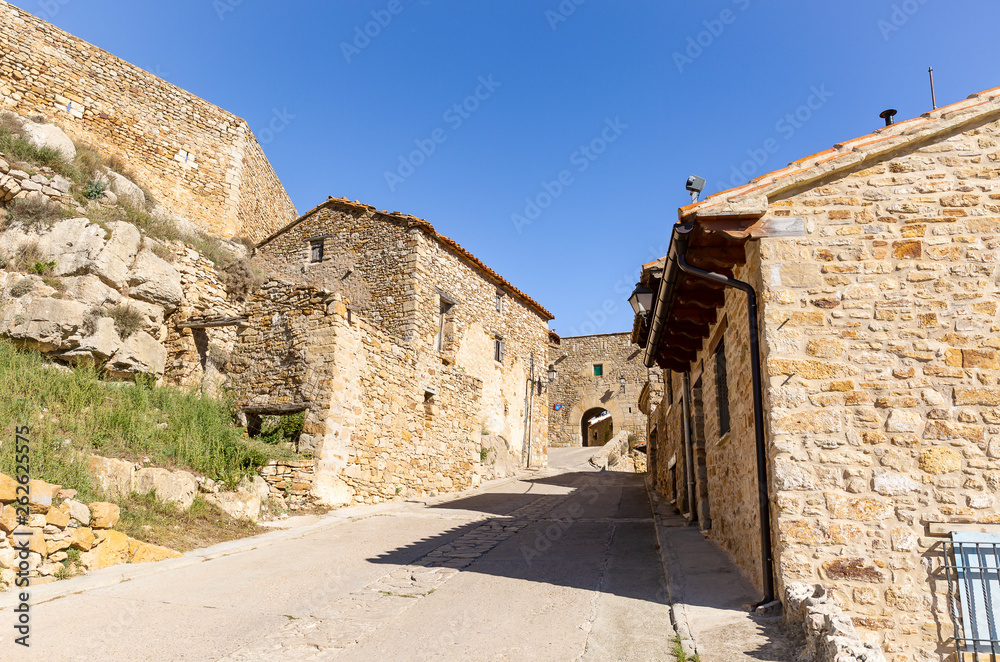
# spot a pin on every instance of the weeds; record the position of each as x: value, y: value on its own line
x: 34, y: 213
x: 146, y: 518
x: 40, y: 268
x: 275, y: 430
x: 127, y: 319
x: 94, y: 189
x: 73, y: 413
x: 21, y: 288
x: 16, y: 145
x: 26, y: 255
x: 679, y: 651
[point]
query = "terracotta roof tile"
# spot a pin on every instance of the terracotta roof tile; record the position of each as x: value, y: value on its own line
x: 848, y: 153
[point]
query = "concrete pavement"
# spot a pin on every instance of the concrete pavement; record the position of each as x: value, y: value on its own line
x: 559, y: 565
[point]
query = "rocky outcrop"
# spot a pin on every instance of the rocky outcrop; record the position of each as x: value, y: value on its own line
x: 178, y: 487
x: 140, y: 353
x: 123, y: 188
x: 612, y: 453
x: 495, y: 457
x: 238, y: 505
x: 44, y: 324
x: 51, y: 136
x: 153, y: 280
x: 114, y: 477
x: 112, y: 264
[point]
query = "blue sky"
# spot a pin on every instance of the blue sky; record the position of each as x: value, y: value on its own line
x: 550, y: 138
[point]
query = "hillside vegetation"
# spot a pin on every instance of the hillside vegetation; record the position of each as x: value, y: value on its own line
x: 72, y: 412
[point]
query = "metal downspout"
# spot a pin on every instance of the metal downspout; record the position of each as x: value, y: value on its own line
x: 767, y: 559
x: 688, y: 444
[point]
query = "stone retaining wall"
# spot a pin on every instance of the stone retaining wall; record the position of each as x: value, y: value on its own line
x: 199, y: 161
x: 830, y: 635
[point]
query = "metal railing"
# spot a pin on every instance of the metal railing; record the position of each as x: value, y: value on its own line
x: 972, y: 566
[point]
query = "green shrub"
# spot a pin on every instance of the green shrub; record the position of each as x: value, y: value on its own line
x: 35, y: 212
x: 94, y: 189
x: 40, y: 268
x: 276, y: 430
x: 21, y: 288
x: 127, y: 319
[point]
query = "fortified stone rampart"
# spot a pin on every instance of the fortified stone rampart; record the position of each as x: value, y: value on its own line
x: 200, y: 162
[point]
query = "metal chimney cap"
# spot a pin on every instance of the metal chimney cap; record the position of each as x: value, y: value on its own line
x: 887, y: 115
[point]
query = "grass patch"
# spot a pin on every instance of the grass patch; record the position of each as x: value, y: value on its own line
x: 34, y: 213
x: 21, y: 288
x: 147, y: 519
x: 15, y: 144
x: 679, y: 651
x: 72, y: 413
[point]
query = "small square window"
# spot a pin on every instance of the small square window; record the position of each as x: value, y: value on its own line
x: 316, y: 250
x: 498, y: 350
x: 598, y: 370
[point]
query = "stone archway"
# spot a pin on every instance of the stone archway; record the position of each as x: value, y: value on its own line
x: 589, y: 426
x: 585, y: 405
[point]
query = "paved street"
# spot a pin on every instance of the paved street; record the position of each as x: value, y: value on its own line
x: 562, y: 565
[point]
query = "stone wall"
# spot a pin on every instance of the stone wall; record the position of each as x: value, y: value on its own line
x: 723, y: 466
x: 379, y: 425
x: 398, y: 274
x: 200, y: 162
x: 882, y: 371
x: 578, y: 390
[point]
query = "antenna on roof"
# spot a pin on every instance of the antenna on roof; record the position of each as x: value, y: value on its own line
x: 930, y: 71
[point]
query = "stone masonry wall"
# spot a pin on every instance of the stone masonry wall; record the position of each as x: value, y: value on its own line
x: 725, y: 473
x: 200, y: 162
x: 882, y: 369
x: 470, y: 328
x: 365, y: 258
x: 578, y: 390
x: 378, y: 425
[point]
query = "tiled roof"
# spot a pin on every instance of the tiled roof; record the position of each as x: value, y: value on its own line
x: 429, y: 230
x: 875, y: 146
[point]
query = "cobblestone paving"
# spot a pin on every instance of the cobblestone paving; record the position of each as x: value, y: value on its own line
x: 332, y: 628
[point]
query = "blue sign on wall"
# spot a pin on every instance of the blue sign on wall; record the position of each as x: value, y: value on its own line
x: 557, y: 406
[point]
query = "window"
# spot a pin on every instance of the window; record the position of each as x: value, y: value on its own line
x: 499, y: 301
x: 316, y: 250
x: 722, y: 388
x: 498, y: 349
x: 445, y: 307
x: 974, y: 591
x: 598, y: 370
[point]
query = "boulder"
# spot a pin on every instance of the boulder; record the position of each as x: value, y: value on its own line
x: 90, y: 291
x: 177, y: 487
x: 140, y: 353
x: 154, y: 280
x: 8, y: 519
x: 73, y: 245
x: 61, y: 184
x: 116, y: 477
x: 40, y: 495
x: 104, y: 515
x: 46, y: 324
x: 35, y: 537
x: 330, y: 490
x: 152, y: 314
x: 113, y: 549
x: 112, y: 263
x: 77, y: 511
x: 238, y: 505
x: 8, y: 489
x: 83, y: 538
x: 123, y: 188
x: 150, y: 553
x: 56, y: 517
x: 49, y: 135
x: 254, y: 485
x: 100, y: 345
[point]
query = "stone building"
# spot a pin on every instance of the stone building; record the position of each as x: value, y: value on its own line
x: 405, y: 351
x: 875, y: 265
x: 200, y: 162
x: 595, y: 374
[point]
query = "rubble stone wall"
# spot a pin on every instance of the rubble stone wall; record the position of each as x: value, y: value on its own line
x: 199, y: 161
x: 578, y: 390
x: 882, y: 367
x: 378, y: 425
